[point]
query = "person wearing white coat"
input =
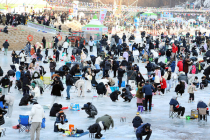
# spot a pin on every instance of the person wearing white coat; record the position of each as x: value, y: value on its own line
x: 22, y: 57
x: 65, y: 46
x: 35, y: 90
x: 98, y: 61
x: 91, y: 43
x: 36, y: 115
x: 9, y: 101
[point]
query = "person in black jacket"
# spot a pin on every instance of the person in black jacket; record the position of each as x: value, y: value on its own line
x: 74, y: 69
x: 2, y: 113
x: 124, y: 62
x: 69, y: 83
x: 56, y: 91
x: 139, y: 78
x: 120, y: 75
x: 55, y: 109
x: 180, y: 88
x: 115, y: 66
x: 5, y: 82
x: 25, y: 99
x: 90, y: 109
x: 126, y: 95
x: 96, y: 128
x: 114, y: 95
x: 1, y: 72
x: 101, y: 89
x: 26, y: 80
x: 148, y: 67
x: 124, y: 37
x: 137, y: 121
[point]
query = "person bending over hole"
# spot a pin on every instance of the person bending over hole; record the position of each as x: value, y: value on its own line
x: 90, y: 109
x: 143, y: 130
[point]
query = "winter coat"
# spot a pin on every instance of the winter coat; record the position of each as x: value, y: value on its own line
x: 149, y: 67
x: 55, y: 109
x: 201, y: 104
x: 207, y: 71
x: 131, y: 75
x: 125, y: 55
x: 56, y: 90
x: 163, y: 84
x: 65, y: 45
x: 2, y: 112
x: 191, y: 89
x: 186, y: 64
x: 5, y: 81
x: 22, y: 57
x: 36, y: 91
x: 69, y: 80
x: 37, y: 113
x: 183, y: 77
x: 180, y: 65
x: 102, y: 55
x: 6, y: 45
x: 26, y: 79
x: 174, y: 48
x: 52, y: 66
x: 112, y: 42
x: 193, y: 69
x: 173, y: 65
x: 175, y: 103
x: 96, y: 128
x: 137, y: 121
x: 98, y: 60
x: 9, y: 99
x: 107, y: 65
x: 11, y: 73
x: 115, y: 66
x: 114, y: 95
x: 39, y: 82
x: 1, y: 72
x: 127, y: 95
x: 73, y: 70
x: 90, y: 108
x: 139, y: 93
x: 140, y: 78
x: 141, y: 129
x: 120, y: 72
x: 101, y: 89
x: 180, y: 88
x: 124, y: 63
x: 107, y: 121
x: 148, y: 89
x: 24, y: 100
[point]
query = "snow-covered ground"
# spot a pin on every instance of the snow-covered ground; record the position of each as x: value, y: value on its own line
x: 163, y: 127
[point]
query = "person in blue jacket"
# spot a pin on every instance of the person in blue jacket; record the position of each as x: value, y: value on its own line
x: 137, y: 121
x: 173, y: 65
x: 177, y: 107
x: 201, y: 104
x: 143, y: 130
x: 147, y: 89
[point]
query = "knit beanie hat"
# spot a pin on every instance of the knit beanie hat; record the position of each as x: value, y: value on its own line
x: 33, y: 85
x: 137, y: 113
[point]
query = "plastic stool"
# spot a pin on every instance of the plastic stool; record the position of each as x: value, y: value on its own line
x: 91, y: 135
x: 3, y: 130
x: 123, y: 119
x: 140, y: 108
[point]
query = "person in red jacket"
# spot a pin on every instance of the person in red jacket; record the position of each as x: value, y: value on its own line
x: 174, y: 51
x: 180, y: 64
x: 72, y: 58
x: 163, y: 85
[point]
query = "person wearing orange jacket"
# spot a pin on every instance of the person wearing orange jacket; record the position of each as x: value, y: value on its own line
x: 163, y: 85
x: 174, y: 51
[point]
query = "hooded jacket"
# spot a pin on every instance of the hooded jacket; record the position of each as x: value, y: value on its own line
x: 56, y: 90
x: 37, y: 113
x: 137, y: 121
x: 101, y: 89
x: 174, y: 48
x: 141, y: 129
x: 139, y: 93
x: 5, y: 81
x: 55, y: 109
x: 6, y: 45
x: 163, y: 84
x: 107, y: 121
x: 180, y: 65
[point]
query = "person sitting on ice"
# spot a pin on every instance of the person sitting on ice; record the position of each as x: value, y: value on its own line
x: 201, y: 104
x: 60, y: 120
x: 90, y: 109
x: 5, y: 30
x: 177, y: 107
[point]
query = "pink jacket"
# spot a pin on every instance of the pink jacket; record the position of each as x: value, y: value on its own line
x: 193, y: 69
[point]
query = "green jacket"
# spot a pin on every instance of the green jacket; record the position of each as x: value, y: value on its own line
x: 39, y: 82
x: 107, y: 121
x: 139, y: 93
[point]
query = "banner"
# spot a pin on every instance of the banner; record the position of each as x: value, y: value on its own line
x: 75, y: 8
x: 102, y: 15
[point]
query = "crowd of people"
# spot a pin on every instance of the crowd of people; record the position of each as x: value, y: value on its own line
x: 120, y: 56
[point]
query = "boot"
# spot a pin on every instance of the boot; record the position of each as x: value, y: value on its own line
x: 97, y: 137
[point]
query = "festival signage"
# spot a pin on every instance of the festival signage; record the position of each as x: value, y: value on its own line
x: 102, y: 15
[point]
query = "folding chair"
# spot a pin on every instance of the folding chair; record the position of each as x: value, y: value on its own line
x: 94, y: 87
x: 24, y: 123
x: 172, y: 113
x: 202, y: 111
x: 47, y: 82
